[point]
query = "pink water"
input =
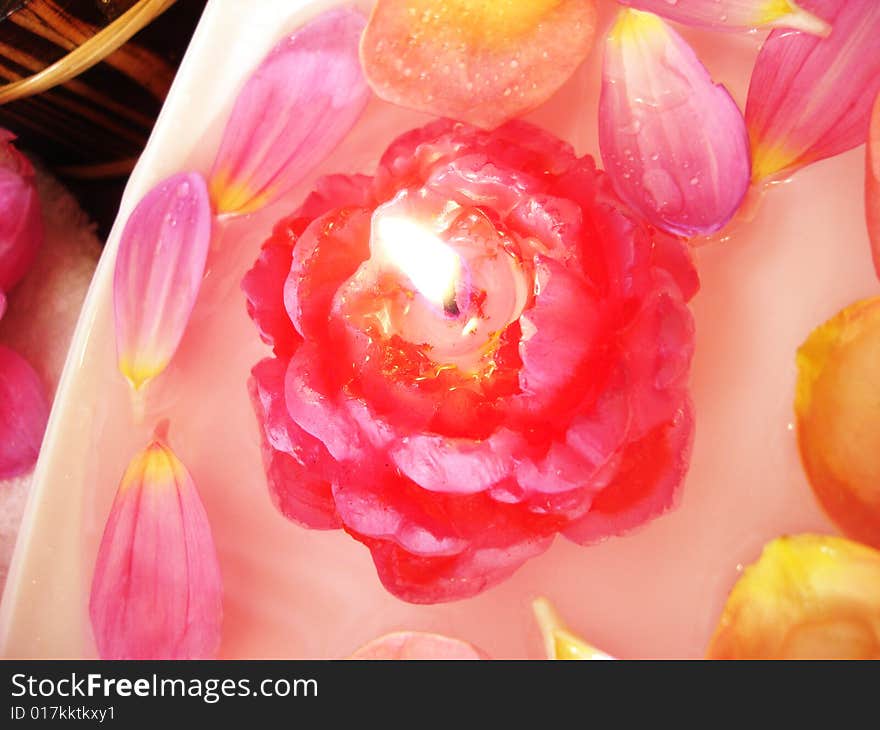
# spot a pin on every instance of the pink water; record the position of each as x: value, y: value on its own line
x: 290, y: 592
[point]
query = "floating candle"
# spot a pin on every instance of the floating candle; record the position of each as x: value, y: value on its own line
x: 483, y: 348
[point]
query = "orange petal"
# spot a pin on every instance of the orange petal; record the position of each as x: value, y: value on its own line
x: 559, y: 642
x: 807, y: 597
x: 479, y: 61
x: 838, y: 417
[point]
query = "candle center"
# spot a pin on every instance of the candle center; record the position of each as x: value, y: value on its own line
x: 440, y: 276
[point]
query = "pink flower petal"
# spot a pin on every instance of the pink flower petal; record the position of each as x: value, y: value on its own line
x: 21, y: 224
x: 480, y: 62
x: 673, y: 142
x: 156, y: 590
x: 159, y: 271
x: 292, y: 112
x: 872, y: 185
x: 735, y: 14
x: 416, y: 645
x: 810, y: 98
x: 24, y: 410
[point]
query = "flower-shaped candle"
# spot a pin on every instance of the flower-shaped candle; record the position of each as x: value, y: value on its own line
x: 476, y: 349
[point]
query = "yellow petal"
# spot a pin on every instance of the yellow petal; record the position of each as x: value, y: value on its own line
x: 559, y: 642
x: 807, y: 597
x: 837, y: 404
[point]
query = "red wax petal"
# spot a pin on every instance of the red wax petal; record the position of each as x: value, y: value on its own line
x: 810, y: 98
x: 646, y: 484
x: 407, y: 645
x: 292, y: 112
x: 298, y: 466
x: 480, y: 62
x: 674, y: 143
x: 872, y: 185
x: 21, y: 225
x: 735, y: 14
x: 156, y: 591
x: 24, y: 410
x: 159, y: 269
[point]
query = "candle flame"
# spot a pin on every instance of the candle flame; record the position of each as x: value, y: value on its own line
x: 431, y: 265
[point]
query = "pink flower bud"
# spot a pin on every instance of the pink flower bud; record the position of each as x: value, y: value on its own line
x: 21, y: 226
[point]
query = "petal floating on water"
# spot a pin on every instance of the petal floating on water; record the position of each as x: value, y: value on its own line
x: 292, y: 112
x: 156, y: 591
x: 735, y: 14
x: 807, y: 597
x: 838, y: 417
x: 159, y: 270
x: 673, y: 142
x: 417, y: 645
x: 810, y: 98
x: 475, y: 61
x: 559, y: 642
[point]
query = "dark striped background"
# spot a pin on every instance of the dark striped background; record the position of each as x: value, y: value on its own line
x: 91, y: 129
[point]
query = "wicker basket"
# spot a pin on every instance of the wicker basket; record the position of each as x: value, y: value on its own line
x: 72, y: 86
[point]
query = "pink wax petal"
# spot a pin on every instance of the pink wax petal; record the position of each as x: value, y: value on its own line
x: 673, y: 142
x: 735, y: 14
x: 810, y: 98
x: 872, y: 185
x: 24, y: 410
x: 416, y: 645
x: 292, y: 112
x: 479, y: 62
x: 156, y: 590
x: 159, y: 271
x: 21, y: 224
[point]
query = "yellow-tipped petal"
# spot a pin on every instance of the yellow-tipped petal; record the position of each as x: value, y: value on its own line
x: 837, y: 403
x: 807, y: 597
x: 736, y: 14
x: 559, y: 642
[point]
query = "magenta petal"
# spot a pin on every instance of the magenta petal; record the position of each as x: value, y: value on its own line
x: 735, y: 14
x: 159, y: 271
x: 872, y: 185
x: 156, y: 591
x: 810, y: 98
x: 24, y: 410
x: 21, y: 223
x: 292, y: 112
x: 673, y: 142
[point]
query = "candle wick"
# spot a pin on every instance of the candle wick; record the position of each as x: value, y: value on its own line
x: 450, y: 306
